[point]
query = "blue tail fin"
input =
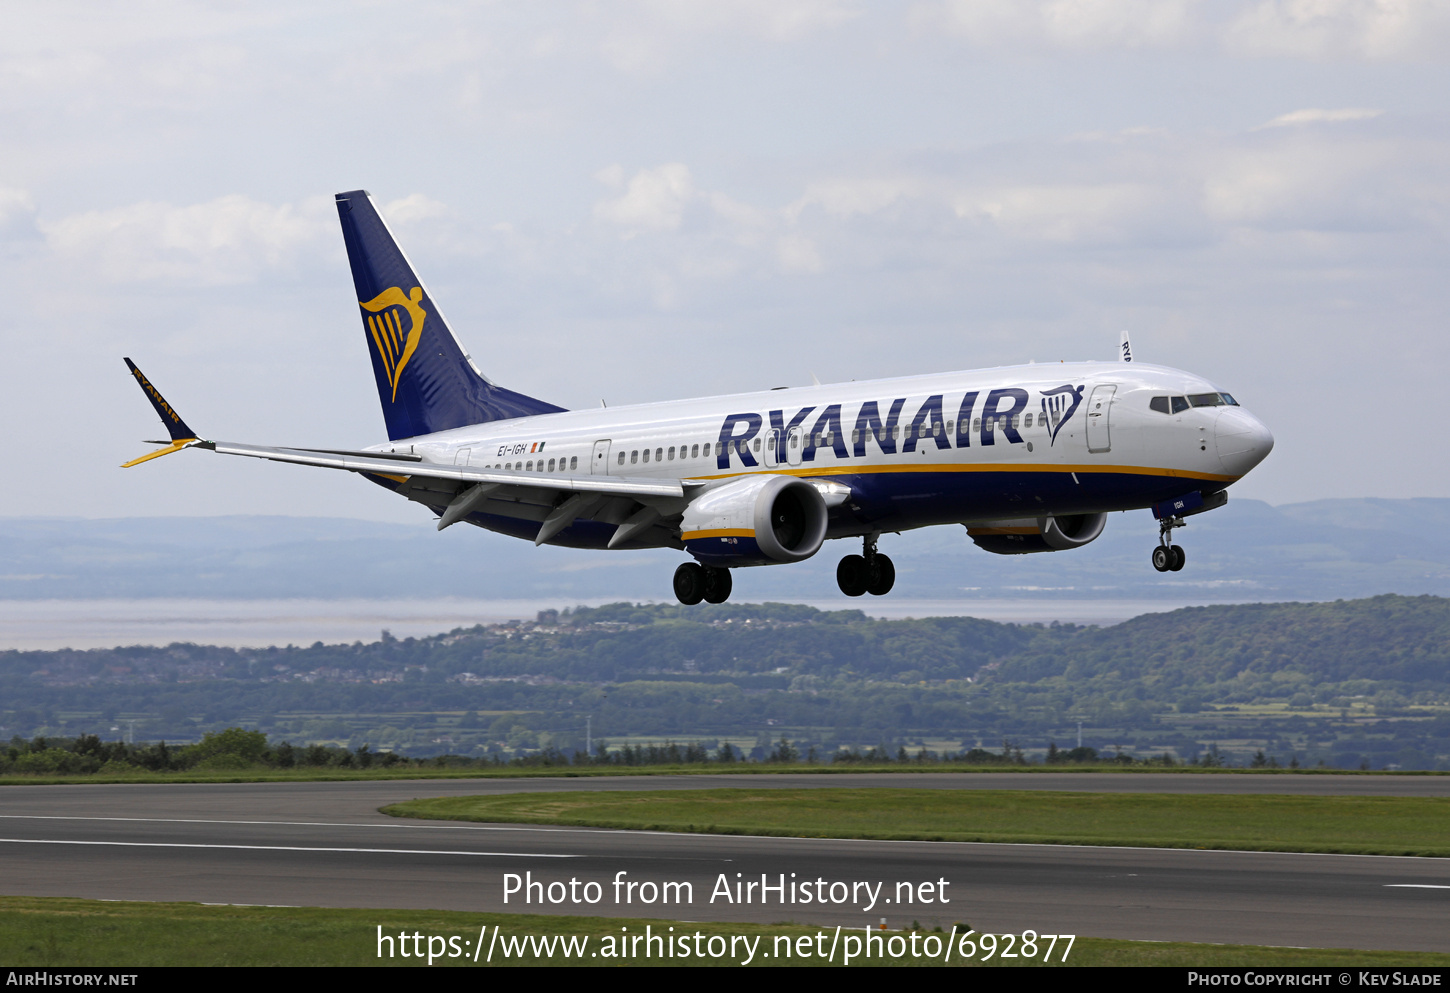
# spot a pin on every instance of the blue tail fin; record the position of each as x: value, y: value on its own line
x: 426, y: 381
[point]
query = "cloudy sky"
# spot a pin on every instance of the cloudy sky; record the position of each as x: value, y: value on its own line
x: 645, y: 200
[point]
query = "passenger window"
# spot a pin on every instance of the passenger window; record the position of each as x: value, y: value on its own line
x: 756, y: 446
x: 694, y: 451
x: 551, y: 465
x: 573, y: 462
x: 705, y: 451
x: 976, y: 424
x: 531, y: 466
x: 1159, y: 404
x: 646, y: 454
x: 672, y: 453
x: 621, y: 458
x: 1027, y: 421
x: 634, y: 456
x: 659, y: 454
x: 1180, y: 404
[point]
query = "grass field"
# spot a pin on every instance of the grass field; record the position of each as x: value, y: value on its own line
x: 1355, y: 825
x: 36, y: 931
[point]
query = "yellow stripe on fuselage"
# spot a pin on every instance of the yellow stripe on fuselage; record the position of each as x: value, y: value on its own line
x: 719, y: 533
x: 848, y: 470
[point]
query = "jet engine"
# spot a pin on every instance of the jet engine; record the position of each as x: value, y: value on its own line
x: 1037, y: 534
x: 756, y: 520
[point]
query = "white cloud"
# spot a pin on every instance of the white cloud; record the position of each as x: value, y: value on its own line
x: 774, y: 20
x: 1064, y: 213
x: 847, y: 196
x: 1070, y: 24
x: 227, y: 240
x: 798, y: 254
x: 1299, y: 29
x: 412, y: 208
x: 1309, y: 184
x: 17, y: 214
x: 655, y: 200
x: 648, y: 35
x: 1355, y: 29
x: 1314, y: 115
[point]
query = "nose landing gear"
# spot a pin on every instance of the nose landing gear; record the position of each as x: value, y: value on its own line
x: 870, y: 572
x: 1168, y: 557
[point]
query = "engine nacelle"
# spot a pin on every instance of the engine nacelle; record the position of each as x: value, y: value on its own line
x: 757, y: 520
x: 1037, y: 534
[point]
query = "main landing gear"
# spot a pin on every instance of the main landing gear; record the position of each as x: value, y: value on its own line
x: 870, y: 572
x: 1168, y: 557
x: 694, y: 582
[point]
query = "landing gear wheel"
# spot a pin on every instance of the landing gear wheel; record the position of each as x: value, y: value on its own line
x: 1179, y: 557
x: 853, y: 576
x: 689, y: 584
x: 883, y: 575
x: 1162, y: 558
x: 717, y: 585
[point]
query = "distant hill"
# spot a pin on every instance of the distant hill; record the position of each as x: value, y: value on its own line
x: 1249, y: 550
x: 1352, y: 683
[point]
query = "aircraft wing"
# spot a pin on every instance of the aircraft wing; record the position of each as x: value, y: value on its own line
x: 634, y: 506
x: 639, y: 509
x: 395, y: 467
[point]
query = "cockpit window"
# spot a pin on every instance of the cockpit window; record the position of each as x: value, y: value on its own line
x: 1159, y: 404
x: 1228, y: 399
x: 1205, y: 399
x: 1180, y: 404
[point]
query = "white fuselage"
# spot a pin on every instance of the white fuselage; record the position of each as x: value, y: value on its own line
x: 981, y: 445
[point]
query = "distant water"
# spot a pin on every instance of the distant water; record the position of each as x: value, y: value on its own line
x: 49, y: 624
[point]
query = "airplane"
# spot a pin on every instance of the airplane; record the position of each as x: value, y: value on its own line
x: 1030, y: 458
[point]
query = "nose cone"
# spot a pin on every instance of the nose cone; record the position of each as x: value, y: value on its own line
x: 1243, y: 441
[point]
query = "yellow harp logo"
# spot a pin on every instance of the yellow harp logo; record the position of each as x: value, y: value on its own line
x: 395, y: 345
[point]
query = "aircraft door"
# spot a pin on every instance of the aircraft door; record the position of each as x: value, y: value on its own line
x: 599, y: 464
x: 772, y: 451
x: 1100, y: 404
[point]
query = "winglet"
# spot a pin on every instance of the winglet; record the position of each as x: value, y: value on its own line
x: 181, y: 435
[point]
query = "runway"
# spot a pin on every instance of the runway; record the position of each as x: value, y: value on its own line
x: 324, y: 844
